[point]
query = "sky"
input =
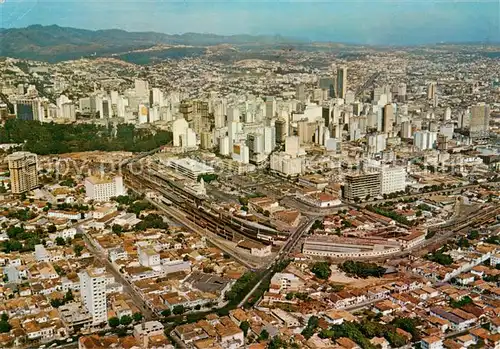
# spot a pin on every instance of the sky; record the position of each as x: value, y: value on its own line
x: 374, y: 22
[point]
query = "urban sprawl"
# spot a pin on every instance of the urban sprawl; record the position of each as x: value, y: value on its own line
x: 311, y: 201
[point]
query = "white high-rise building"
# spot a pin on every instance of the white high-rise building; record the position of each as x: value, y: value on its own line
x: 141, y: 88
x: 269, y: 139
x: 377, y: 143
x: 447, y: 114
x: 156, y: 97
x: 292, y: 145
x: 103, y: 189
x: 69, y: 111
x: 93, y: 293
x: 183, y: 136
x: 424, y: 140
x: 393, y: 179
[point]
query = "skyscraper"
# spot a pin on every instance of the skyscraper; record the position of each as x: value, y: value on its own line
x: 388, y: 118
x: 93, y: 293
x: 341, y: 82
x: 23, y: 172
x: 431, y: 91
x: 301, y: 93
x: 480, y: 121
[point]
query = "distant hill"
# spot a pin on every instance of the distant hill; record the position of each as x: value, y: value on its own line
x: 54, y: 43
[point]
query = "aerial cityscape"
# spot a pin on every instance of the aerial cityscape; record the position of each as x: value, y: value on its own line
x: 259, y: 190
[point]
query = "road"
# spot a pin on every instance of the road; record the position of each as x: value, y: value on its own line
x: 282, y: 254
x: 127, y: 287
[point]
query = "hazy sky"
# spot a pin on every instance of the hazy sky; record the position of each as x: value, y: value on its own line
x: 355, y: 21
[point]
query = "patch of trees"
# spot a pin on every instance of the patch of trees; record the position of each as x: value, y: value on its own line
x: 362, y: 269
x: 22, y: 240
x: 22, y: 214
x: 440, y: 257
x: 51, y: 138
x: 151, y: 221
x: 138, y: 206
x: 57, y: 302
x: 5, y: 327
x: 321, y: 270
x: 462, y: 302
x: 207, y: 178
x: 495, y: 240
x: 391, y: 214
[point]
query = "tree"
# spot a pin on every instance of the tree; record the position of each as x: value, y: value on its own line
x: 114, y: 322
x: 5, y: 327
x: 185, y: 258
x: 395, y: 339
x: 5, y: 317
x: 125, y: 320
x: 264, y: 335
x: 166, y: 313
x: 137, y: 317
x: 178, y: 310
x: 244, y: 326
x: 473, y: 235
x: 117, y: 229
x: 68, y: 297
x: 321, y: 270
x: 60, y: 241
x: 78, y: 250
x: 51, y: 229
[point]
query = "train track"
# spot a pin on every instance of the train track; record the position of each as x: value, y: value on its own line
x: 219, y: 223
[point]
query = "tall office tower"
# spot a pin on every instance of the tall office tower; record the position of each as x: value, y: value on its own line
x: 206, y: 140
x: 186, y: 108
x: 327, y: 85
x: 28, y: 109
x: 62, y: 99
x: 93, y: 293
x: 106, y: 108
x: 155, y: 97
x: 341, y: 82
x: 401, y: 92
x: 233, y: 115
x: 480, y: 121
x: 431, y: 91
x: 114, y: 95
x: 269, y: 139
x: 281, y: 131
x: 292, y: 146
x: 361, y: 185
x: 388, y: 118
x: 350, y: 96
x: 377, y: 143
x: 424, y: 140
x: 447, y: 114
x: 406, y: 130
x: 270, y: 107
x: 23, y: 172
x: 301, y: 93
x: 143, y: 114
x: 141, y: 88
x: 306, y: 130
x: 69, y: 111
x: 377, y: 93
x: 464, y: 119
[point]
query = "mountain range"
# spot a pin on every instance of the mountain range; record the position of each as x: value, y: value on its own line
x: 54, y: 43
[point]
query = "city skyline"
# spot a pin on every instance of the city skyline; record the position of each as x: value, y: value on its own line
x: 359, y: 22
